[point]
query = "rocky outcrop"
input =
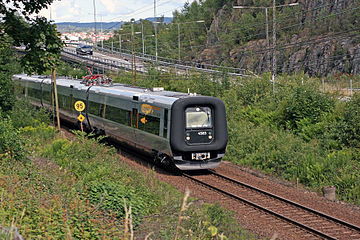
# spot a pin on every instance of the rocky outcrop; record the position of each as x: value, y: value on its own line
x: 316, y: 50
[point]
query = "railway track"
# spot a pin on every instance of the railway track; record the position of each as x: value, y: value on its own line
x: 311, y: 223
x: 306, y: 222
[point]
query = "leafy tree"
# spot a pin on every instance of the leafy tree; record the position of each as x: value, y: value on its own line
x: 25, y: 7
x: 40, y: 38
x: 8, y: 66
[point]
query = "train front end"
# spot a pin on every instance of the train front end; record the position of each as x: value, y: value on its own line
x: 198, y: 132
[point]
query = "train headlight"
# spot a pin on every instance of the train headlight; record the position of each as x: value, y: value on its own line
x: 210, y: 137
x: 188, y: 138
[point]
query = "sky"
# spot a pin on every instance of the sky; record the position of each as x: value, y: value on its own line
x: 109, y: 10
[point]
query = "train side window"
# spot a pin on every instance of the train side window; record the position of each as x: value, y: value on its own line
x: 149, y: 124
x: 19, y: 90
x: 95, y: 108
x: 118, y: 115
x: 34, y: 93
x: 64, y: 101
x: 61, y: 100
x: 46, y: 96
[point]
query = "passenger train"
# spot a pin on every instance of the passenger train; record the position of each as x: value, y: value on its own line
x: 187, y: 130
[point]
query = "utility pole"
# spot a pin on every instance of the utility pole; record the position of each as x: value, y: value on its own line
x: 133, y: 52
x: 155, y: 26
x: 274, y: 67
x: 274, y: 46
x: 178, y: 29
x: 50, y: 13
x: 95, y: 21
x: 179, y: 54
x: 143, y: 39
x: 267, y: 40
x: 53, y: 79
x: 120, y: 42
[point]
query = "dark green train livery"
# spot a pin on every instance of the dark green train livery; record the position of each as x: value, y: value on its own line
x: 187, y: 130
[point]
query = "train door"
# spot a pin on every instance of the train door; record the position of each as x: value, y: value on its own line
x: 134, y: 118
x: 135, y: 124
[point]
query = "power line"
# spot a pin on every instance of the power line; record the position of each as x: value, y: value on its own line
x: 284, y: 28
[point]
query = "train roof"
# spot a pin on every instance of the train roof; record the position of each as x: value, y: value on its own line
x: 144, y: 94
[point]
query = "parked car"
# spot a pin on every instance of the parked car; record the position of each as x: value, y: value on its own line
x: 84, y: 50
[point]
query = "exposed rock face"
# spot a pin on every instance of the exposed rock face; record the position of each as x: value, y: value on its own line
x: 317, y: 55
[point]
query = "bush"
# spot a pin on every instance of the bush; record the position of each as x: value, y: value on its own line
x: 352, y: 119
x: 11, y: 143
x: 256, y: 91
x: 7, y: 97
x: 304, y: 102
x: 24, y: 114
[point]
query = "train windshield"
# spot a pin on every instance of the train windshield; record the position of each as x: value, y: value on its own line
x: 198, y: 117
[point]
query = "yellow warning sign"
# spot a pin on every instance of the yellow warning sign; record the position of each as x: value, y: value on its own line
x: 146, y: 109
x: 81, y: 117
x: 143, y: 120
x: 79, y: 106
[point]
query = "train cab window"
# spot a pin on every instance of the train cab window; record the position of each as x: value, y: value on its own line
x: 198, y: 117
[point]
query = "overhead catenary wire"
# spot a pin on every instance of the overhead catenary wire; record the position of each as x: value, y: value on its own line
x: 283, y: 28
x: 280, y: 47
x: 261, y: 34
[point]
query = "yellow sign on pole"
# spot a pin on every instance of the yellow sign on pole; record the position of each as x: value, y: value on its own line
x: 79, y: 106
x: 81, y: 118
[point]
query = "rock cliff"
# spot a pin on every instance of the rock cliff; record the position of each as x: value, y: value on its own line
x: 327, y: 40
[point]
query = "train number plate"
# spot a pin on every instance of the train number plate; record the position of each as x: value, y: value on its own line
x: 200, y: 156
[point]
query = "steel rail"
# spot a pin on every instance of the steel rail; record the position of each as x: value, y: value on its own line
x: 324, y: 215
x: 310, y: 229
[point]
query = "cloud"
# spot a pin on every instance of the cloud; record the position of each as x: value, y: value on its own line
x: 109, y: 10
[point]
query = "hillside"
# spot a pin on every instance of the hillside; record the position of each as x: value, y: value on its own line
x: 106, y: 26
x: 318, y: 37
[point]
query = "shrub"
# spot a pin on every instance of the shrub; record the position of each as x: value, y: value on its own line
x: 256, y: 91
x: 7, y: 97
x: 11, y: 143
x: 24, y: 114
x: 352, y: 119
x: 303, y: 102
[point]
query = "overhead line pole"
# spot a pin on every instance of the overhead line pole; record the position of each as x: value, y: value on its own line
x: 143, y: 39
x: 274, y: 45
x: 155, y: 26
x: 178, y: 28
x: 274, y: 63
x: 267, y: 39
x: 95, y: 22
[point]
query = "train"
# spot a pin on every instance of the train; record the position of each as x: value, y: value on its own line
x: 183, y: 129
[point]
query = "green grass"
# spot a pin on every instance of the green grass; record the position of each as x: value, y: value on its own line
x: 80, y: 189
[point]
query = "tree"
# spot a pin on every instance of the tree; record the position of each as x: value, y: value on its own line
x: 8, y: 66
x: 39, y: 36
x: 24, y: 7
